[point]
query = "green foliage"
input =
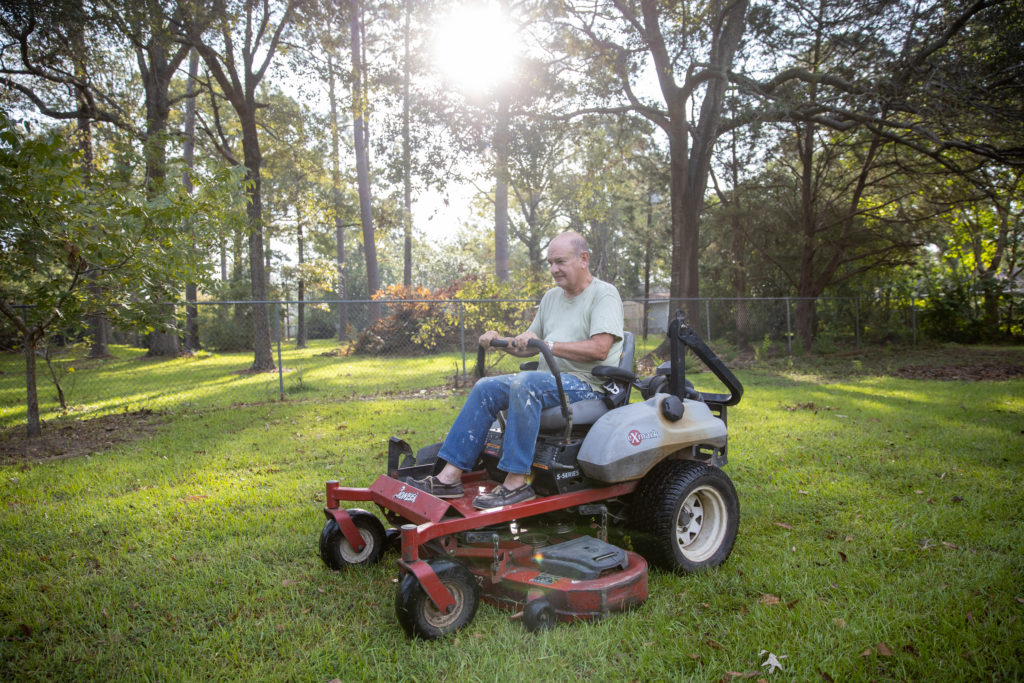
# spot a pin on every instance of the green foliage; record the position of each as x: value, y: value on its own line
x: 60, y: 233
x: 949, y: 315
x: 503, y: 306
x: 824, y: 343
x: 763, y: 350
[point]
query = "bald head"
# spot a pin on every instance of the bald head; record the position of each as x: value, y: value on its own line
x: 573, y: 240
x: 569, y: 262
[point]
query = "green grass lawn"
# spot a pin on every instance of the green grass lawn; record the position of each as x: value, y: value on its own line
x: 880, y: 539
x: 130, y: 381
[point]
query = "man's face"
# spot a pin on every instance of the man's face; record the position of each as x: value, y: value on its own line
x: 568, y: 268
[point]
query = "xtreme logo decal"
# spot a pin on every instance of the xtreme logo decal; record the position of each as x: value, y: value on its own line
x: 636, y: 437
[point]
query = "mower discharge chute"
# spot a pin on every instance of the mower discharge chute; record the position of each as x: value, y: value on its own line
x: 650, y: 471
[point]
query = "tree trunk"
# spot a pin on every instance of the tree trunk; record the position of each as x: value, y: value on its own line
x: 808, y: 225
x: 739, y: 286
x: 99, y: 326
x: 33, y: 424
x: 263, y: 358
x: 191, y: 310
x: 163, y: 343
x: 300, y: 332
x: 406, y: 156
x: 223, y: 259
x: 805, y: 322
x: 690, y: 164
x: 156, y: 78
x: 501, y: 143
x: 685, y: 210
x: 647, y: 262
x: 363, y: 162
x: 339, y: 227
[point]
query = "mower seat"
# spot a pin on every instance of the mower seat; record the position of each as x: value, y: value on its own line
x: 587, y: 412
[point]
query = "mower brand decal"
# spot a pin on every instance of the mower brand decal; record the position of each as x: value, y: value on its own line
x: 407, y: 496
x: 545, y: 579
x: 567, y: 475
x: 636, y: 437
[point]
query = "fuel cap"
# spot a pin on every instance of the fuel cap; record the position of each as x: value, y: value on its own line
x: 672, y: 408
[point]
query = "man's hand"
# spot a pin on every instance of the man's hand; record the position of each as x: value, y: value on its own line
x: 486, y: 337
x: 518, y: 343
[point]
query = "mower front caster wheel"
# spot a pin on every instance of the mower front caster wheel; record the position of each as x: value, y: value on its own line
x: 418, y: 614
x: 337, y: 553
x: 538, y: 615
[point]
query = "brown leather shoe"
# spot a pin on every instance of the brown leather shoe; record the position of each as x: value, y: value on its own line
x: 437, y: 488
x: 500, y: 496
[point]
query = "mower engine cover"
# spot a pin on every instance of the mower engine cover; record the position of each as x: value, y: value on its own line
x: 628, y: 441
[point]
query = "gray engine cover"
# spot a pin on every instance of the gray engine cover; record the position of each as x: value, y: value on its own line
x: 628, y: 441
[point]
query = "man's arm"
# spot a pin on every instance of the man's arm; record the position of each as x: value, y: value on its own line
x: 591, y: 350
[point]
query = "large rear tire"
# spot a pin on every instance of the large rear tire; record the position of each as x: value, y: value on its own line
x: 687, y: 514
x: 337, y: 553
x: 420, y: 617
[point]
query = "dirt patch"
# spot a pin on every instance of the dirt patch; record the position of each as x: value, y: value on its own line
x: 962, y: 373
x: 71, y: 438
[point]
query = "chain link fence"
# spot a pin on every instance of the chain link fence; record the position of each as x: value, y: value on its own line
x: 414, y: 347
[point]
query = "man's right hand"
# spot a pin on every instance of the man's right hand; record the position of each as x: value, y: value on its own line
x: 486, y: 337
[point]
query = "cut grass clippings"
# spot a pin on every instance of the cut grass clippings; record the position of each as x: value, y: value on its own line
x: 880, y: 539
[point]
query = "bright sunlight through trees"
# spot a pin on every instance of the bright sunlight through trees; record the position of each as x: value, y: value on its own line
x: 475, y: 47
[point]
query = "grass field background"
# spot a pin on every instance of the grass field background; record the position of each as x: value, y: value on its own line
x: 880, y: 539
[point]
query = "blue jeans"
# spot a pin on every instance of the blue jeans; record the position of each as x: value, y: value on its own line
x: 525, y: 395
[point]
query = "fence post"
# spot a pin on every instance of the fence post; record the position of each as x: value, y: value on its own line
x: 462, y: 337
x: 789, y: 331
x: 280, y: 370
x: 707, y: 318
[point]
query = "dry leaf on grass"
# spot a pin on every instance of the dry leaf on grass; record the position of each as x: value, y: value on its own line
x: 772, y: 662
x: 769, y: 599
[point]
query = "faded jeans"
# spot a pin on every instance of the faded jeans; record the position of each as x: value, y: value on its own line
x: 525, y: 395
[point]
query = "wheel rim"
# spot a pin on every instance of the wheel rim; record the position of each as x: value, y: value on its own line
x: 349, y: 554
x: 701, y: 524
x: 438, y: 619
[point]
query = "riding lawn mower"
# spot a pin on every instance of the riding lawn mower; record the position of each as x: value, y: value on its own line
x: 650, y: 471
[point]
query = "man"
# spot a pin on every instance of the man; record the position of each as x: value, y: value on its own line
x: 581, y: 321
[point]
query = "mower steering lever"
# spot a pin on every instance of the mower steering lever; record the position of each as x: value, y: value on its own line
x: 542, y: 347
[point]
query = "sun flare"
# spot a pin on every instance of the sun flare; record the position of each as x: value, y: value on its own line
x: 475, y: 47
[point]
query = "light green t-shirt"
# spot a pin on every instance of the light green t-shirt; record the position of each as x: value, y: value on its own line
x: 597, y: 309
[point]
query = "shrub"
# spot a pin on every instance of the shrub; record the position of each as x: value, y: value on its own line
x: 949, y: 316
x: 420, y: 321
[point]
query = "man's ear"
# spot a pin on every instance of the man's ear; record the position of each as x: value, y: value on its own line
x: 585, y: 257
